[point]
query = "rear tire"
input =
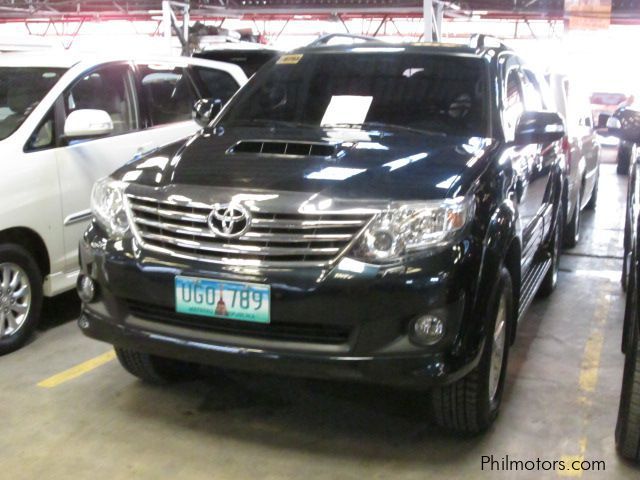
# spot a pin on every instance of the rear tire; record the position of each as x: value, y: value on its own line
x: 153, y: 369
x: 20, y: 297
x: 593, y: 201
x: 471, y: 404
x: 550, y: 280
x: 628, y: 425
x: 572, y: 230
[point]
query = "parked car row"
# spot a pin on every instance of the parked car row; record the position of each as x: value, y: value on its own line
x: 374, y: 212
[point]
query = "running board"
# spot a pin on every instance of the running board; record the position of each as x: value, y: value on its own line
x: 531, y: 283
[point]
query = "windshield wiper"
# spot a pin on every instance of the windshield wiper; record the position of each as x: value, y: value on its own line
x: 383, y: 126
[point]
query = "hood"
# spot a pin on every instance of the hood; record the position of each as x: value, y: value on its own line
x: 338, y: 163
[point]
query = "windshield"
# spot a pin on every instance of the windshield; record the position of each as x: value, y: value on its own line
x: 441, y: 93
x: 21, y: 89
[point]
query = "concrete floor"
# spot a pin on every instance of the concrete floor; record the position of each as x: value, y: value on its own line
x: 561, y: 401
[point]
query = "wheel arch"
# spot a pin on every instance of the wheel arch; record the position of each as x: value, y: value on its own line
x: 31, y: 241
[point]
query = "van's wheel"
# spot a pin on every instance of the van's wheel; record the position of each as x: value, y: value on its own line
x: 572, y: 230
x: 471, y: 404
x: 154, y: 369
x: 550, y: 280
x: 628, y: 425
x: 20, y: 297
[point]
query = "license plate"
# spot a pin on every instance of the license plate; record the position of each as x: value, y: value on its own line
x: 249, y: 302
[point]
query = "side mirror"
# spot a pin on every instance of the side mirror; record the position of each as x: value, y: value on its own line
x: 205, y: 110
x: 539, y: 127
x: 87, y: 123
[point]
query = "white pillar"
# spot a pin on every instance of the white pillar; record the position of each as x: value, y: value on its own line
x: 428, y: 20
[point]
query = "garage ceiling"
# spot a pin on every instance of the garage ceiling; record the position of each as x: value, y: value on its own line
x: 16, y: 10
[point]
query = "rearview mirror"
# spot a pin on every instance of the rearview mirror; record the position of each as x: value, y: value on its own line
x: 205, y: 110
x: 539, y: 127
x: 87, y: 123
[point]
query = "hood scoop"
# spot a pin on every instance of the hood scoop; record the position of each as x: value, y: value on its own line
x: 285, y: 148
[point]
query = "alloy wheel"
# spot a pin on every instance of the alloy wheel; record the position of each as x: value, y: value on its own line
x: 15, y: 298
x: 498, y: 348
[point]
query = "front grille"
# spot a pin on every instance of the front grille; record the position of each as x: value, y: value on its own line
x: 273, y: 238
x: 283, y: 331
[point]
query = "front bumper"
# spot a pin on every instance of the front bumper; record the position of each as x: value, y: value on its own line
x: 342, y: 323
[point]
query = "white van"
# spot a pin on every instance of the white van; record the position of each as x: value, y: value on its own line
x: 64, y: 123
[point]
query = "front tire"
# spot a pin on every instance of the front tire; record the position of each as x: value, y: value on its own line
x: 471, y: 404
x: 154, y: 369
x: 20, y: 297
x: 628, y: 425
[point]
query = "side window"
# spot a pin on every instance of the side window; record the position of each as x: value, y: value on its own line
x: 167, y: 93
x: 44, y: 136
x: 513, y: 104
x: 216, y: 84
x: 110, y: 89
x: 533, y: 100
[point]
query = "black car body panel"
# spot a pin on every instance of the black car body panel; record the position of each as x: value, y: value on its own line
x: 340, y: 316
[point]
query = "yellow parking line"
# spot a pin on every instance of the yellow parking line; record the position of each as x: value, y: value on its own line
x: 75, y: 372
x: 588, y: 379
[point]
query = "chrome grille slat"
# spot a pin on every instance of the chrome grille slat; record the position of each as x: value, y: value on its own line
x: 249, y: 236
x: 278, y: 239
x: 239, y: 249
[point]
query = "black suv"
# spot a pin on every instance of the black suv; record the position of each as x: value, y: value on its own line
x: 368, y: 212
x: 625, y: 124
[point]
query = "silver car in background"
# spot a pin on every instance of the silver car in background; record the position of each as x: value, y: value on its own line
x: 582, y: 150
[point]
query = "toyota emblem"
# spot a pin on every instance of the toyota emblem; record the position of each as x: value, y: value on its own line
x: 229, y: 220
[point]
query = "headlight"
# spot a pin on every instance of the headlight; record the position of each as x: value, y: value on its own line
x: 107, y: 206
x: 406, y: 228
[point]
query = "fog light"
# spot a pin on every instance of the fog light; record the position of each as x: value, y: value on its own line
x: 86, y: 288
x: 428, y: 330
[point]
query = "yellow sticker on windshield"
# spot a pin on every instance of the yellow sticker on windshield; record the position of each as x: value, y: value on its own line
x: 290, y: 59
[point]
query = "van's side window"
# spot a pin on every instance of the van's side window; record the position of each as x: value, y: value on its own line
x: 108, y: 88
x: 215, y: 84
x: 167, y: 93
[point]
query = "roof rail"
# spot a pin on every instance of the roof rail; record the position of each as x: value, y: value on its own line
x: 323, y: 40
x: 481, y: 40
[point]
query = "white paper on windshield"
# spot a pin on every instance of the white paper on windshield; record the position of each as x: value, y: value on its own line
x: 347, y: 109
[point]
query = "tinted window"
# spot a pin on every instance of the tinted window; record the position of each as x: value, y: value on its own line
x: 215, y: 84
x: 109, y: 89
x: 167, y: 93
x: 513, y: 104
x: 21, y: 89
x: 428, y: 92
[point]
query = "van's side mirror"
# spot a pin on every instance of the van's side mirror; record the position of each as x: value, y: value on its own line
x: 87, y: 123
x: 205, y: 110
x: 539, y: 127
